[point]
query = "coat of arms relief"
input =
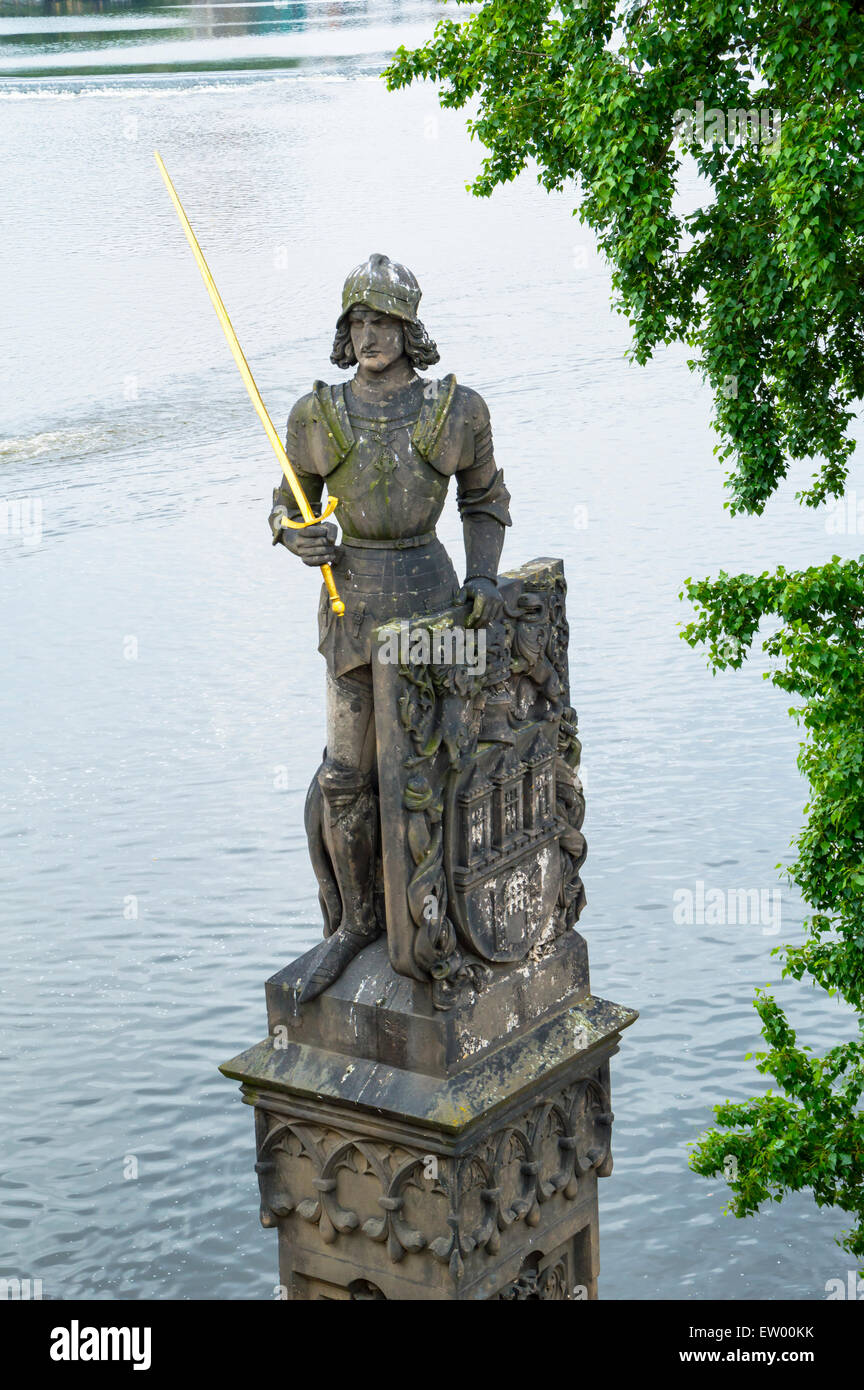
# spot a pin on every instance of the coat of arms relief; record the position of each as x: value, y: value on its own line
x: 478, y: 772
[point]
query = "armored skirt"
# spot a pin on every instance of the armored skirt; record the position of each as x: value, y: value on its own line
x: 380, y: 581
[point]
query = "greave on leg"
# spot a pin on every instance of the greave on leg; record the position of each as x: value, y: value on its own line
x: 351, y: 830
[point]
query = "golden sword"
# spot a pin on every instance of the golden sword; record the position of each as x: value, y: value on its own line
x: 309, y: 517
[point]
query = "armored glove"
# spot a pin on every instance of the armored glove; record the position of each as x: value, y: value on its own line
x: 314, y: 545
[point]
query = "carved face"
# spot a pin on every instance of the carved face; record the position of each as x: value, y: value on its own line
x: 376, y: 338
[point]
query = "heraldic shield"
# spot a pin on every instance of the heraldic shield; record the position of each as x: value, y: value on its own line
x: 480, y: 796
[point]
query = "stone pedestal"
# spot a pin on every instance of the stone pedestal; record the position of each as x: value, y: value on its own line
x: 407, y: 1152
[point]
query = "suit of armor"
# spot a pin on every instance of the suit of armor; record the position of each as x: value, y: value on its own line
x: 389, y: 460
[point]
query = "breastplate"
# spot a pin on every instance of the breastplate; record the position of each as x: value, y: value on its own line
x: 386, y: 489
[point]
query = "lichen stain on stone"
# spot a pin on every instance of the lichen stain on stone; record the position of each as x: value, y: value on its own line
x: 469, y: 1043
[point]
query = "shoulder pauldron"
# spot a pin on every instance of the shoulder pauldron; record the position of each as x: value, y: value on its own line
x: 437, y: 400
x: 333, y: 416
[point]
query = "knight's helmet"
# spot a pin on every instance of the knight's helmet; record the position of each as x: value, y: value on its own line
x: 383, y: 285
x: 388, y: 288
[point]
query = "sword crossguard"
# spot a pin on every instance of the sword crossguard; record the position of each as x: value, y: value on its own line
x: 332, y: 504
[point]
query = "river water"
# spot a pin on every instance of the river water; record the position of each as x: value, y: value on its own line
x: 161, y: 709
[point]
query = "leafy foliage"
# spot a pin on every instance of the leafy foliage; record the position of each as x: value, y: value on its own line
x: 813, y: 1136
x: 763, y: 281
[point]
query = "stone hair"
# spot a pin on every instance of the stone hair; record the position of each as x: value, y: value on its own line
x: 419, y: 347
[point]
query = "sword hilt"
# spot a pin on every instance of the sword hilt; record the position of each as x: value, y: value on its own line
x: 326, y: 573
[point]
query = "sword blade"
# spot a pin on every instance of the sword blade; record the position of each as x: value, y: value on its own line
x: 249, y: 381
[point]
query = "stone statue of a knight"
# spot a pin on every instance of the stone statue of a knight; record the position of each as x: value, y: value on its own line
x: 386, y: 443
x: 448, y: 1009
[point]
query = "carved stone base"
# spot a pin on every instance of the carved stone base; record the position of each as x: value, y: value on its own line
x: 460, y: 1168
